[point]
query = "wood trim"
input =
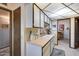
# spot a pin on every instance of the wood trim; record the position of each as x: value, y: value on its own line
x: 76, y: 18
x: 20, y: 33
x: 11, y: 33
x: 63, y: 19
x: 70, y: 33
x: 10, y: 28
x: 33, y: 15
x: 57, y: 32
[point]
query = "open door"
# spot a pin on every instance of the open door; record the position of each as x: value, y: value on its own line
x: 17, y: 32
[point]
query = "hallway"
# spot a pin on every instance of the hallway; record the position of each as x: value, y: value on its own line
x: 63, y: 44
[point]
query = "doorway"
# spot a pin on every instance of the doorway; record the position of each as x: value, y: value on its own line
x: 63, y: 32
x: 5, y: 32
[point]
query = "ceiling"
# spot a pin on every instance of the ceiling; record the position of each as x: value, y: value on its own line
x: 4, y: 17
x: 60, y: 10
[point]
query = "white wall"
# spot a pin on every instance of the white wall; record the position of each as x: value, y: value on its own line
x: 72, y: 32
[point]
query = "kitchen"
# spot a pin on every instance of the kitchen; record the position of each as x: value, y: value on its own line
x: 39, y: 37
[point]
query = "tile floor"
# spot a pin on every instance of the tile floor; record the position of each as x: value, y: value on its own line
x: 64, y: 45
x: 4, y: 51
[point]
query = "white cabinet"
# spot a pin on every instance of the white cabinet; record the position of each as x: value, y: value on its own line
x: 46, y: 49
x: 42, y: 19
x: 36, y: 16
x: 50, y: 23
x: 32, y: 16
x: 47, y: 19
x: 37, y: 49
x: 52, y: 44
x: 28, y: 11
x: 33, y: 50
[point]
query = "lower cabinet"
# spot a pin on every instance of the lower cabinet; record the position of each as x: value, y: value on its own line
x: 52, y: 44
x: 46, y: 50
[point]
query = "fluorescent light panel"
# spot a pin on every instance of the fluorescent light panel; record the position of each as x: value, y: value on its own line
x: 54, y: 7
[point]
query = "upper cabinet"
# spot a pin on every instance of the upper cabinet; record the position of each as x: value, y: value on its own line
x: 28, y: 15
x: 36, y: 16
x: 47, y: 19
x: 42, y: 19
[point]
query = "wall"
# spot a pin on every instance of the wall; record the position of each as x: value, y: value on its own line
x: 72, y: 32
x: 66, y: 27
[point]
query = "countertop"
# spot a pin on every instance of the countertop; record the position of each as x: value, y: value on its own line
x: 42, y: 40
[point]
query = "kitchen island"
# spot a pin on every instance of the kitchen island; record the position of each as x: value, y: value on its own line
x: 43, y: 46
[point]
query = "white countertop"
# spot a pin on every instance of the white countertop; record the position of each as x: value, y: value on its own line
x: 42, y: 40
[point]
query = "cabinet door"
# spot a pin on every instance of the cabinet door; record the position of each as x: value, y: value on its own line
x: 42, y: 19
x: 52, y: 44
x: 50, y: 23
x: 17, y: 32
x: 46, y: 50
x: 46, y: 19
x: 36, y: 16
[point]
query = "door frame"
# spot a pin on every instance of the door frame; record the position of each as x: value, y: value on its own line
x: 76, y: 18
x: 10, y: 32
x: 19, y: 29
x: 69, y: 30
